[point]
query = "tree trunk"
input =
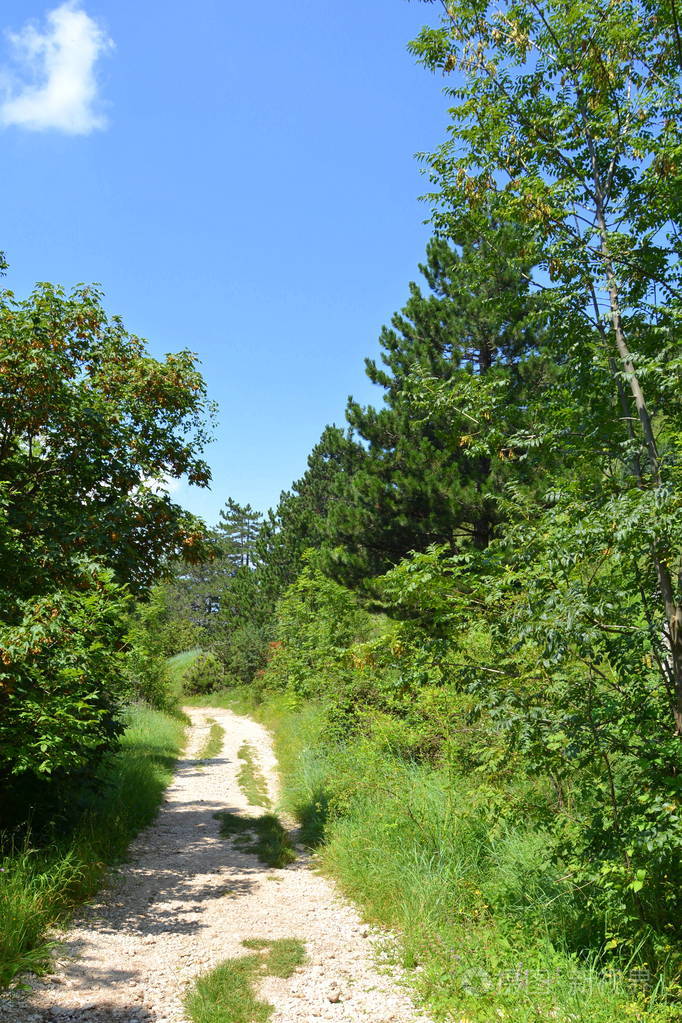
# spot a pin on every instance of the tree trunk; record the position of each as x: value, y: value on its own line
x: 672, y: 610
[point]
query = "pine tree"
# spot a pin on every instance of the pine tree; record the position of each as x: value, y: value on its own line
x: 299, y: 521
x: 239, y: 526
x: 415, y: 482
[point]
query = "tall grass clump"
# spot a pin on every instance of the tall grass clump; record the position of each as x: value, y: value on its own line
x: 488, y: 924
x: 178, y: 666
x: 56, y: 864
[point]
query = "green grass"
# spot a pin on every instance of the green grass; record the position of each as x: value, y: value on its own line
x: 177, y: 666
x: 252, y: 780
x: 228, y: 993
x: 284, y: 955
x: 486, y: 925
x: 240, y: 700
x: 263, y: 836
x: 303, y: 763
x: 214, y: 741
x: 40, y: 883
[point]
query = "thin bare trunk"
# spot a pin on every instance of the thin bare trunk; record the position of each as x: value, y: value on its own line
x: 673, y: 611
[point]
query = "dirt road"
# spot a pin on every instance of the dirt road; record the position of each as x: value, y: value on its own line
x: 186, y: 901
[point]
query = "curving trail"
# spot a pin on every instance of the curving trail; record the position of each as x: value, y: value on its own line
x: 187, y: 900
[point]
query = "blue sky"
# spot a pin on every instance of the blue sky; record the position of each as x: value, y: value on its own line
x: 240, y: 178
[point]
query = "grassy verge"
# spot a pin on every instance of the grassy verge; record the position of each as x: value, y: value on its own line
x: 229, y: 992
x: 240, y: 700
x: 40, y: 884
x: 486, y: 924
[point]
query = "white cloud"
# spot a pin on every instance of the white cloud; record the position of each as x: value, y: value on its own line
x: 55, y: 84
x: 164, y: 484
x: 170, y: 485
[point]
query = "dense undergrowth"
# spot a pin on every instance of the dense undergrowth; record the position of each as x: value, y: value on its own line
x: 47, y: 871
x: 488, y: 926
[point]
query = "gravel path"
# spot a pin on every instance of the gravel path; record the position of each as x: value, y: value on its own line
x: 187, y: 900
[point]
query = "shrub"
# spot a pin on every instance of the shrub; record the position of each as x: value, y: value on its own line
x: 61, y: 678
x: 245, y: 651
x: 204, y: 675
x: 149, y: 678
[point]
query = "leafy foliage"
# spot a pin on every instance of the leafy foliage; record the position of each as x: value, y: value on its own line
x: 317, y: 620
x: 60, y: 664
x: 565, y: 121
x: 90, y: 428
x: 204, y: 675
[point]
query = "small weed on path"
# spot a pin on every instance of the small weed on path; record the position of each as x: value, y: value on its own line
x: 214, y: 741
x: 263, y: 836
x: 284, y: 956
x: 251, y: 779
x: 228, y: 993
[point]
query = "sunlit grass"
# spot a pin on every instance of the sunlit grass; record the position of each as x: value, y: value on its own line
x: 40, y: 883
x: 177, y: 666
x: 228, y: 994
x: 251, y: 779
x: 239, y: 700
x: 214, y: 741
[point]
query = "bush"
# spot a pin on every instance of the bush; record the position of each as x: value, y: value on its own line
x: 317, y: 620
x: 204, y: 675
x: 245, y: 652
x: 149, y: 678
x: 62, y: 679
